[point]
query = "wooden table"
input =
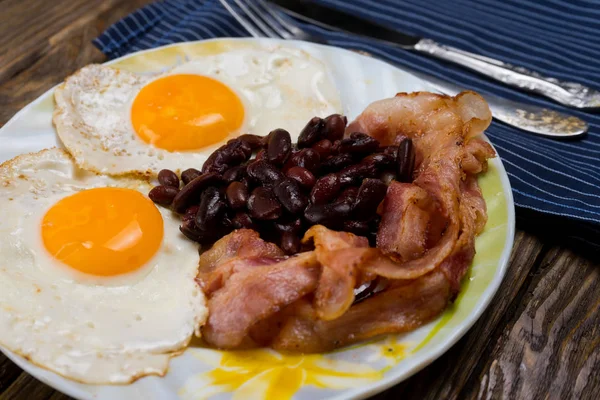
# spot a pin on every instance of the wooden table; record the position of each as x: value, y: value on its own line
x: 540, y: 337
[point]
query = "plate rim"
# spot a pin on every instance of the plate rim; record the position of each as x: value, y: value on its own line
x: 389, y: 379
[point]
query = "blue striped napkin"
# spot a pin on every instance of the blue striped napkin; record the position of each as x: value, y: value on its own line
x: 554, y: 37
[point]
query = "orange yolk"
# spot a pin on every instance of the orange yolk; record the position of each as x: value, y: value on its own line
x: 185, y: 112
x: 103, y: 231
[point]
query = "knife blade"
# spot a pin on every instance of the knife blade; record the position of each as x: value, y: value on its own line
x: 334, y: 19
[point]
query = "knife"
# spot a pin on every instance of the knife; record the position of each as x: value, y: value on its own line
x: 567, y: 93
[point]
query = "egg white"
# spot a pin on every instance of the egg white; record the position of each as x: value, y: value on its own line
x: 90, y: 329
x: 279, y: 87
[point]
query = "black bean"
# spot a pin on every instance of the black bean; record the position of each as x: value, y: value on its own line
x: 390, y: 150
x: 301, y: 175
x: 190, y: 213
x: 209, y: 164
x: 247, y: 182
x: 211, y: 209
x: 242, y: 220
x: 288, y: 225
x: 323, y: 147
x: 348, y: 195
x: 290, y: 243
x: 372, y: 236
x: 290, y: 195
x: 325, y: 189
x: 335, y: 147
x: 336, y: 163
x: 357, y: 227
x: 189, y: 229
x: 263, y: 204
x: 370, y: 194
x: 190, y: 193
x: 354, y: 174
x: 189, y: 175
x: 163, y: 195
x: 381, y: 160
x: 261, y: 155
x: 254, y: 141
x: 279, y: 146
x: 264, y: 173
x: 234, y: 174
x: 327, y: 214
x: 166, y: 177
x: 311, y: 133
x: 231, y: 154
x: 334, y: 128
x: 237, y: 195
x: 359, y: 143
x: 238, y: 144
x: 406, y: 161
x: 306, y: 158
x: 374, y: 223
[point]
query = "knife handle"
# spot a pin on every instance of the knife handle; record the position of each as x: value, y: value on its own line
x: 567, y: 93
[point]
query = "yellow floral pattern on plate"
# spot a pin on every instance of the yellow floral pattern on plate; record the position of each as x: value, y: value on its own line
x: 266, y: 374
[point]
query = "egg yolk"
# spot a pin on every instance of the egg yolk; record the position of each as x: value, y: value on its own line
x: 103, y: 231
x: 185, y: 112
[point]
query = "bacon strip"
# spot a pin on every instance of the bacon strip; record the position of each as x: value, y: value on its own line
x: 254, y: 294
x: 223, y: 259
x: 340, y: 254
x: 395, y: 310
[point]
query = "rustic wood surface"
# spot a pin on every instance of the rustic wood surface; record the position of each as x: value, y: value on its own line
x: 540, y: 337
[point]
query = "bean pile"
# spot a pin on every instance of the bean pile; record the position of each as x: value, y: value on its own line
x: 286, y: 188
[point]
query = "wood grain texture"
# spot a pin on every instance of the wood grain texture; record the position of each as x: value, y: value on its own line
x: 553, y: 336
x: 539, y: 339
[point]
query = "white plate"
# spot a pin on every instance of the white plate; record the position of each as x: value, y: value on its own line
x: 355, y: 372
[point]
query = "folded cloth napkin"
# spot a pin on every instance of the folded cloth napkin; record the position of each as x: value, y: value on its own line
x: 553, y: 37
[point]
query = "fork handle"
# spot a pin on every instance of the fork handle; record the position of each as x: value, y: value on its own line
x: 567, y: 93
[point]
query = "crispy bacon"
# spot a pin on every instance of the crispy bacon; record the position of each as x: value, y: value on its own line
x: 239, y: 243
x: 340, y: 254
x: 477, y: 152
x: 473, y: 218
x: 395, y: 310
x: 224, y: 258
x: 255, y: 294
x: 406, y: 218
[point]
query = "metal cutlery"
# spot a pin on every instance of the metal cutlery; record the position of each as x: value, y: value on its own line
x: 570, y: 94
x: 260, y: 19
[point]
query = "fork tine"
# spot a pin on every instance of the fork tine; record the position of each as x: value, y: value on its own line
x: 254, y: 15
x: 281, y: 20
x: 247, y: 24
x: 272, y: 19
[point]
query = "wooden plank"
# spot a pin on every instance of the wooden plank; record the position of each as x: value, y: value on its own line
x: 445, y: 378
x: 26, y: 387
x: 31, y: 28
x: 549, y: 348
x: 50, y: 53
x: 8, y: 372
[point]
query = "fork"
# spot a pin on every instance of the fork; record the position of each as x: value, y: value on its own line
x: 261, y: 20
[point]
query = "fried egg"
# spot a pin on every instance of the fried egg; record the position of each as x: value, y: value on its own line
x: 96, y: 282
x: 116, y: 122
